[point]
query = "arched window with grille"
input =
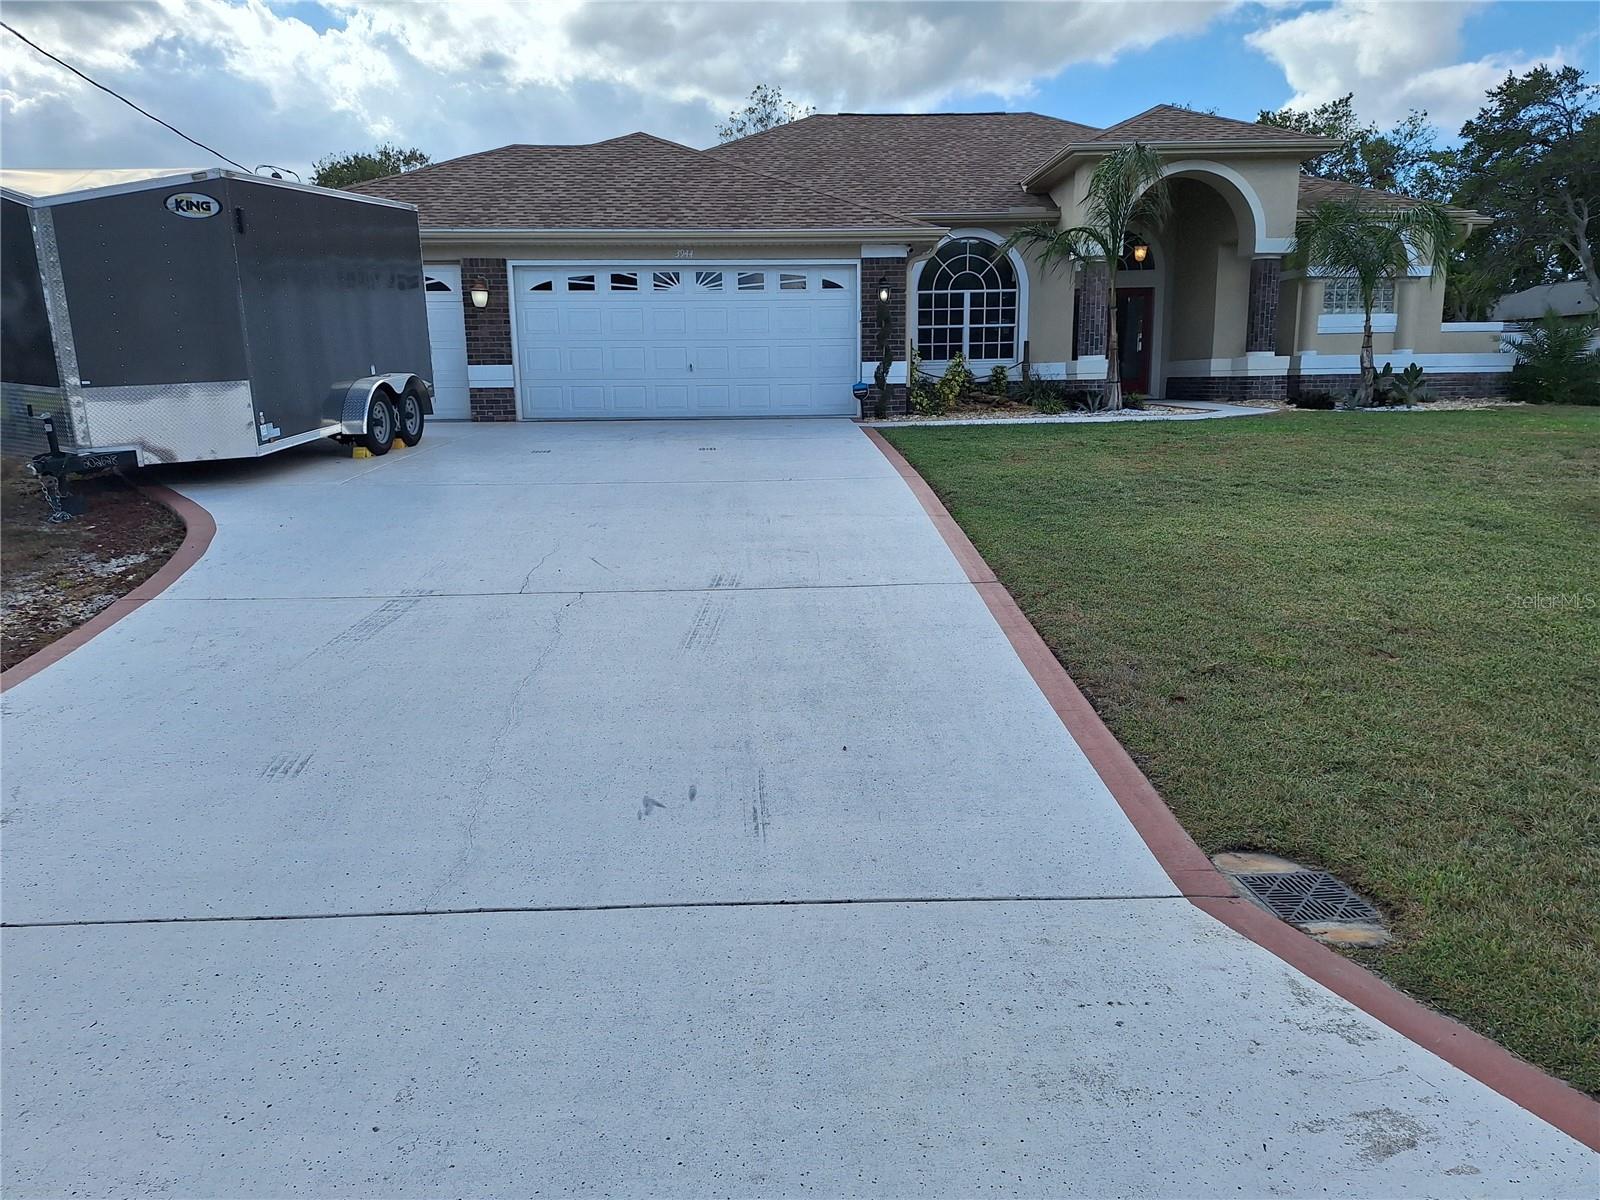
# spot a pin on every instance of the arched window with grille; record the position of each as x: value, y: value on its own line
x: 967, y: 303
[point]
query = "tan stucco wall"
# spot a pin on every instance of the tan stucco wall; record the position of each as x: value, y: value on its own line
x: 1209, y: 282
x: 1419, y: 311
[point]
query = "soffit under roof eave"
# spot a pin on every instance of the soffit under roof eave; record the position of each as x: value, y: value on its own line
x: 918, y: 233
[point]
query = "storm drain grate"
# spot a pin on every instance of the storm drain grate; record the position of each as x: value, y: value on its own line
x: 1306, y: 897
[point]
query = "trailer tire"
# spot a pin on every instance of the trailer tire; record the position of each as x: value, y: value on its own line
x: 410, y: 417
x: 381, y: 424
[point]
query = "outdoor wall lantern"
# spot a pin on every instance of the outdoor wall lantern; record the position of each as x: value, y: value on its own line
x: 1140, y: 252
x: 480, y: 294
x: 883, y: 294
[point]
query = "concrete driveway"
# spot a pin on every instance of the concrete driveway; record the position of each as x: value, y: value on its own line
x: 636, y: 809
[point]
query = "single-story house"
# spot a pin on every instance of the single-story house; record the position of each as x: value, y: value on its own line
x: 637, y: 277
x: 1568, y: 299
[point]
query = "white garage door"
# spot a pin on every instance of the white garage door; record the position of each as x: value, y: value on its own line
x: 686, y: 340
x: 447, y: 332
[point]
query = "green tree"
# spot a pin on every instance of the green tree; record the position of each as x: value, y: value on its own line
x: 341, y: 170
x: 765, y: 109
x: 1127, y: 189
x: 1530, y: 160
x: 1404, y: 159
x: 1370, y: 243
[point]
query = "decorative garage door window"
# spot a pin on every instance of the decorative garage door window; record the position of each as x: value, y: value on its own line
x: 429, y: 283
x: 967, y: 303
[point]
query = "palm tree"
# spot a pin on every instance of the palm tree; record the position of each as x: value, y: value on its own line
x: 1356, y: 239
x: 1126, y: 189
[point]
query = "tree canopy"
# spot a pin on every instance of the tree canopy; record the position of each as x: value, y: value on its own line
x: 1402, y: 159
x: 1530, y: 160
x: 341, y: 170
x: 765, y: 109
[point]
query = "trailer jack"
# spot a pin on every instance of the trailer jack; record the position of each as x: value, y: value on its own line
x: 52, y: 468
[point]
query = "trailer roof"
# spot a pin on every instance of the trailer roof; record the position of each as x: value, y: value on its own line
x: 177, y: 180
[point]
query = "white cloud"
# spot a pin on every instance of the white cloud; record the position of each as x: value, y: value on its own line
x: 263, y: 85
x: 1395, y: 55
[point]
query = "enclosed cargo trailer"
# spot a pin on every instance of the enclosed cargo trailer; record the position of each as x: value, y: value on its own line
x: 211, y: 315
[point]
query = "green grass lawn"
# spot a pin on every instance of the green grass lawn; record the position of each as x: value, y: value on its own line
x: 1369, y: 642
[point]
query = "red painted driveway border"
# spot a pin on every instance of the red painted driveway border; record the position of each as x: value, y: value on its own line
x: 199, y: 529
x: 1547, y: 1097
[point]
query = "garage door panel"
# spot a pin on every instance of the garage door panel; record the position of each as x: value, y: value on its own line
x: 753, y: 318
x: 625, y: 360
x: 710, y: 358
x: 645, y: 340
x: 447, y: 337
x: 624, y: 319
x: 672, y: 399
x: 670, y: 358
x: 585, y: 360
x: 580, y: 320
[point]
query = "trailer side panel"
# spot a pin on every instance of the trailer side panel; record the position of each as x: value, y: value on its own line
x: 29, y: 377
x: 331, y: 292
x: 153, y: 294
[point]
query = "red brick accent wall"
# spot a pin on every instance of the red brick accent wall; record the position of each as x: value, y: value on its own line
x: 488, y: 329
x: 1092, y: 314
x: 1261, y: 330
x: 493, y: 404
x: 1445, y: 385
x: 1224, y: 389
x: 877, y: 274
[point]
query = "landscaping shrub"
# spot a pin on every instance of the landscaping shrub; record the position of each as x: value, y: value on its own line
x: 1046, y: 399
x: 1408, y: 387
x: 1555, y: 364
x: 919, y: 387
x: 999, y: 383
x: 1313, y: 399
x: 1135, y: 400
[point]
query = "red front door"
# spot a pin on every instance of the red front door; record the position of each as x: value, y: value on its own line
x: 1136, y: 309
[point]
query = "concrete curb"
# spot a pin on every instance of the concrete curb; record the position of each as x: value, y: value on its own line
x: 1491, y: 1064
x: 199, y: 529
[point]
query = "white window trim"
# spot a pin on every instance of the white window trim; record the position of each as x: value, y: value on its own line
x: 937, y: 366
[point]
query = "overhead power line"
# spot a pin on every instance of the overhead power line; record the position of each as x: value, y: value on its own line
x: 124, y: 99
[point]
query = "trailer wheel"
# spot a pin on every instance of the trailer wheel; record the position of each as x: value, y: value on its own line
x: 410, y: 415
x: 381, y: 423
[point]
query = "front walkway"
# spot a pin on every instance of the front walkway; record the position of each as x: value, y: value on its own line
x: 636, y: 809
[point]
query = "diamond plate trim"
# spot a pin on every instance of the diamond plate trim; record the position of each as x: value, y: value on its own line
x: 1303, y: 897
x: 55, y: 306
x: 175, y: 422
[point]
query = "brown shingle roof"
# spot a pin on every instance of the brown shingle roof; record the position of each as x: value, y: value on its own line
x: 1169, y: 123
x: 634, y: 182
x: 924, y: 163
x: 1314, y: 190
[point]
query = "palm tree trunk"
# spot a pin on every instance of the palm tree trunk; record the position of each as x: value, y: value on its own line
x: 1113, y: 353
x: 1368, y: 372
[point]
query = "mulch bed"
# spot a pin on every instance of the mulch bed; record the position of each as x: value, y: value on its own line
x: 54, y: 577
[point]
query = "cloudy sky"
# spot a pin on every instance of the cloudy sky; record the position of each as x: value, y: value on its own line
x: 288, y: 82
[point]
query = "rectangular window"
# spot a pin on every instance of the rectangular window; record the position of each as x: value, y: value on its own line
x: 791, y: 283
x: 624, y: 281
x: 1342, y: 297
x: 580, y: 283
x: 752, y: 281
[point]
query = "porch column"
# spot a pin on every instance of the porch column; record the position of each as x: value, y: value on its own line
x: 1261, y: 328
x: 1092, y: 316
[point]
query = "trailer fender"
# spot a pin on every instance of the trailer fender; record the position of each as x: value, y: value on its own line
x: 353, y: 410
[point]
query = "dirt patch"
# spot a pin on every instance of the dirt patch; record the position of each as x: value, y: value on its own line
x: 54, y: 577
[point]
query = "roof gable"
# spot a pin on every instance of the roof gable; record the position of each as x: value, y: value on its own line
x: 635, y: 182
x: 1169, y: 123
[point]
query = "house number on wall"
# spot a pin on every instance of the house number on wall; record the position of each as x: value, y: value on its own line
x: 685, y: 254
